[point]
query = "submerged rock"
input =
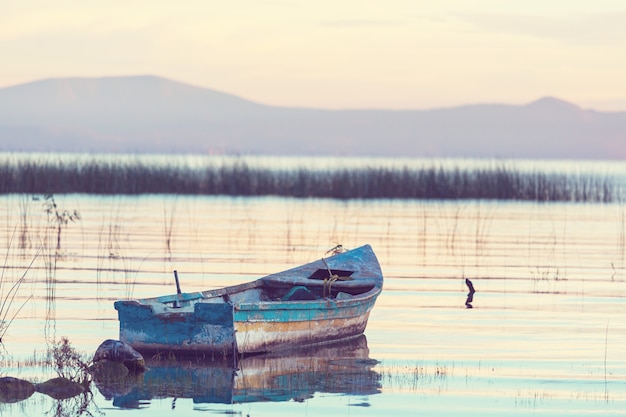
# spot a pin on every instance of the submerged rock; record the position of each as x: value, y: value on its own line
x: 114, y: 379
x: 13, y: 390
x: 120, y: 352
x: 60, y: 388
x: 109, y: 370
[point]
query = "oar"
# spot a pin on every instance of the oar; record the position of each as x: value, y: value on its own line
x: 178, y: 292
x: 177, y: 283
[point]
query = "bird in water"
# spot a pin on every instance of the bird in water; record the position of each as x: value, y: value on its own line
x: 470, y: 294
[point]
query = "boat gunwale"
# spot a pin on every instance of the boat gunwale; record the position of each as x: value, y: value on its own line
x: 321, y: 303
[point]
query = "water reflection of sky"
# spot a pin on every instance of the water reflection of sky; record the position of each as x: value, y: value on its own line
x: 545, y: 336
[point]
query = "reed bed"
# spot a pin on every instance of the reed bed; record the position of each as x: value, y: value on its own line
x: 238, y: 178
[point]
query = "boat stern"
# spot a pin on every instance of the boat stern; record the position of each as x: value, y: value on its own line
x: 200, y: 327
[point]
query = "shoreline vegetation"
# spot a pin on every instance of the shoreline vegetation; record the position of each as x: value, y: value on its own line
x: 50, y: 174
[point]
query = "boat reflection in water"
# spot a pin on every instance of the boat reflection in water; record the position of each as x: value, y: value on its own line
x: 342, y: 368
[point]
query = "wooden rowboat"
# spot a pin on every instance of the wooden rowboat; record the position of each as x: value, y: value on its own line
x: 316, y: 303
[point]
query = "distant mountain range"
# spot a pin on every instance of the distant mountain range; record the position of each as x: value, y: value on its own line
x: 142, y: 114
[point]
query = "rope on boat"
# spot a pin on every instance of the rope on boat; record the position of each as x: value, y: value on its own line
x: 328, y: 282
x: 332, y: 278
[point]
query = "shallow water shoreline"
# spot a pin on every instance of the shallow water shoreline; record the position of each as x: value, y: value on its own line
x: 544, y: 336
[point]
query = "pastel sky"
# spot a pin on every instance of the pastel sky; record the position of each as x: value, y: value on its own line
x: 397, y: 54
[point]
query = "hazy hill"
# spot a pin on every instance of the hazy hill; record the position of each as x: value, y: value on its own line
x: 152, y: 114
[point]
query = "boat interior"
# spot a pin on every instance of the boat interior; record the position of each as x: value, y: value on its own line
x: 273, y: 288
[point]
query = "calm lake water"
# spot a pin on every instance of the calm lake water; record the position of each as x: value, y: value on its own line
x: 546, y: 334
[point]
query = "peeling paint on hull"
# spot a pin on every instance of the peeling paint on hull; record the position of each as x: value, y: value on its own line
x: 268, y: 336
x: 259, y: 316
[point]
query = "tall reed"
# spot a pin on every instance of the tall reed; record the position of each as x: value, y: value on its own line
x: 9, y: 292
x: 240, y: 179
